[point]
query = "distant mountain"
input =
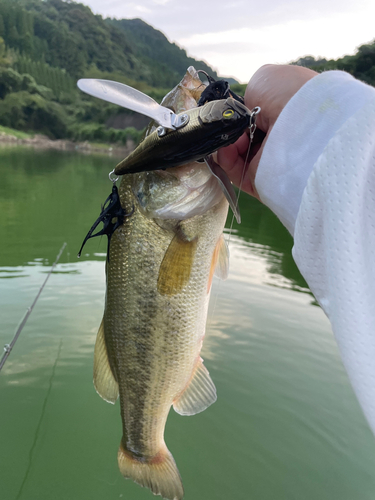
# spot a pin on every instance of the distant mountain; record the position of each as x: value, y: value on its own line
x: 165, y: 60
x: 47, y: 45
x: 69, y: 36
x: 361, y: 65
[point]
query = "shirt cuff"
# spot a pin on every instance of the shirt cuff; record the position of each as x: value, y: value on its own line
x: 302, y: 131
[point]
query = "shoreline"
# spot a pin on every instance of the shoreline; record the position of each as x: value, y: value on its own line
x: 44, y: 142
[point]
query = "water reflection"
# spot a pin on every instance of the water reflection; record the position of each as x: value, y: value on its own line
x: 263, y: 235
x: 285, y: 409
x: 68, y: 309
x: 48, y: 197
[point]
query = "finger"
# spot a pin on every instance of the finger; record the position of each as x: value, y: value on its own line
x: 242, y: 143
x: 271, y: 87
x: 248, y: 184
x: 232, y: 162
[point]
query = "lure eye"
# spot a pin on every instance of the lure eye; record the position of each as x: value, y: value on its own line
x: 228, y: 113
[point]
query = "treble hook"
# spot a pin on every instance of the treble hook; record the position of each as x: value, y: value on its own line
x: 111, y: 209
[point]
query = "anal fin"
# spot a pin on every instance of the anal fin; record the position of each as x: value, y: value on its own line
x: 104, y: 381
x: 199, y: 394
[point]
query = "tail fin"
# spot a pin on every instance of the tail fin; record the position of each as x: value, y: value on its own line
x: 160, y: 474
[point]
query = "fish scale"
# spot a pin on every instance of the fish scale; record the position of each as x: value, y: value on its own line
x: 135, y: 313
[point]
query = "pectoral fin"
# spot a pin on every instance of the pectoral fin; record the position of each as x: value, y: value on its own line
x: 175, y: 269
x: 104, y: 381
x: 219, y: 262
x: 199, y: 394
x: 222, y: 263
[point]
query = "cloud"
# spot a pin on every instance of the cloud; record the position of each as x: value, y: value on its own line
x: 179, y: 18
x: 161, y: 2
x: 239, y: 36
x: 142, y: 9
x: 240, y: 52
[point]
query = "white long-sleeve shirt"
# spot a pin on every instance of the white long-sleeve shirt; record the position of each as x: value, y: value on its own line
x: 317, y: 173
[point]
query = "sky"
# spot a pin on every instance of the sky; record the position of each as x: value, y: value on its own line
x: 238, y: 36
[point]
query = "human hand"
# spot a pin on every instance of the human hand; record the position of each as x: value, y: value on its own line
x: 270, y: 88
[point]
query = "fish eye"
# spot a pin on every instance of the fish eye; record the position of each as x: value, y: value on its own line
x: 228, y: 113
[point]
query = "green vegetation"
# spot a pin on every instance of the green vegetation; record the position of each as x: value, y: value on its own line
x: 238, y: 88
x: 361, y: 65
x: 46, y: 45
x: 15, y: 133
x: 165, y: 61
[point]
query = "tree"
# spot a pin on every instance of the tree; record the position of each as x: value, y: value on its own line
x: 4, y: 61
x: 10, y: 81
x: 25, y: 111
x: 2, y: 27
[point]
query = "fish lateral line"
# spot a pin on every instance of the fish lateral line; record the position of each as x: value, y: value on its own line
x: 111, y: 209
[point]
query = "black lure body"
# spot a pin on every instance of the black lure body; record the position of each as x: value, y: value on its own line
x: 111, y: 209
x: 215, y: 90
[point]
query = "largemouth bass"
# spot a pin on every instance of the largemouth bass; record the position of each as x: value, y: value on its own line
x: 159, y: 273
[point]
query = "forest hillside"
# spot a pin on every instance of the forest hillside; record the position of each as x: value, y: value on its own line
x: 47, y: 45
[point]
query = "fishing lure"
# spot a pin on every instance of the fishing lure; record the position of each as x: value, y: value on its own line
x: 112, y: 215
x: 216, y: 124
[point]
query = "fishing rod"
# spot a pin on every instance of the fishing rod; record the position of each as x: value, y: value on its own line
x: 8, y: 347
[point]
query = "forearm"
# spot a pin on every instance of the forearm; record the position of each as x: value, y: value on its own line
x: 320, y: 181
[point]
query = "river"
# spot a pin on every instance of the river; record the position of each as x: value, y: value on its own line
x: 286, y: 425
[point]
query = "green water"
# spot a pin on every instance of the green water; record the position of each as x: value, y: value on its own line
x: 286, y: 425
